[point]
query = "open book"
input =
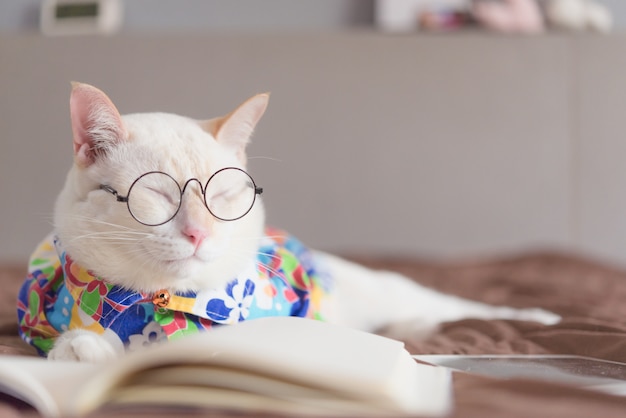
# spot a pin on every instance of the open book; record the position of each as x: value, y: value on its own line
x: 280, y: 365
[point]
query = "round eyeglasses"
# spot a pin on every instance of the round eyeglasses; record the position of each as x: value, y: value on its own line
x: 155, y: 198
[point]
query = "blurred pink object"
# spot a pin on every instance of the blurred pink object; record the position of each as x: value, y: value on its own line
x: 443, y: 20
x: 510, y: 16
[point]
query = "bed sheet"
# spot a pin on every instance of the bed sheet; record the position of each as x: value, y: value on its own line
x: 590, y: 296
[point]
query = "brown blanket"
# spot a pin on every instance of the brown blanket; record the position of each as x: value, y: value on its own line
x: 589, y: 295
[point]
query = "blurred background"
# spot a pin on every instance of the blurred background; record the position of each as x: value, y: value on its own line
x: 430, y: 129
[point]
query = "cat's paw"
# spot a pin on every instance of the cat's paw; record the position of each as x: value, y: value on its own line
x: 537, y: 315
x: 82, y: 345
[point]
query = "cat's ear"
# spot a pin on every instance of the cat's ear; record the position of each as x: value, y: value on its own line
x: 235, y: 129
x: 96, y: 123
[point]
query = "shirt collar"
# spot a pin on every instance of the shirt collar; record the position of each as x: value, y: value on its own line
x: 96, y: 296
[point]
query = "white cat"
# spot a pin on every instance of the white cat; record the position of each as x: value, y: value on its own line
x: 159, y: 231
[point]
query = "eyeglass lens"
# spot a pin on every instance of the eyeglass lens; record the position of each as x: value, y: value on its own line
x: 155, y: 197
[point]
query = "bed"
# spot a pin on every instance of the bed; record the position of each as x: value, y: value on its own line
x: 589, y: 294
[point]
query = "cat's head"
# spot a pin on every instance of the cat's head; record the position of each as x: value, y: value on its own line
x: 194, y: 249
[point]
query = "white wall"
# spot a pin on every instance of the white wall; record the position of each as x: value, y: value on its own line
x: 431, y: 146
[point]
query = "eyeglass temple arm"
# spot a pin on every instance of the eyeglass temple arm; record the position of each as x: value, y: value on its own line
x: 114, y: 193
x: 258, y: 190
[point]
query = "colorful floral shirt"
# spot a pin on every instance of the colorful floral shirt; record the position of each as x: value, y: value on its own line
x: 59, y: 295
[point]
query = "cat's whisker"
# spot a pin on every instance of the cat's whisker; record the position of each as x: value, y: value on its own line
x: 125, y: 233
x: 262, y: 157
x: 104, y: 223
x: 256, y: 238
x: 270, y: 269
x: 111, y: 235
x: 130, y: 296
x: 112, y: 239
x: 269, y: 255
x: 109, y: 238
x: 146, y: 256
x: 49, y: 219
x: 245, y: 257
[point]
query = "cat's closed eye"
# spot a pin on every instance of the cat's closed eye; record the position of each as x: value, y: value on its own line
x: 225, y: 195
x: 223, y: 199
x: 166, y: 195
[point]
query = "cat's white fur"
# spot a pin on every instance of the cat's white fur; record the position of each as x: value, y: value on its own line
x: 195, y: 251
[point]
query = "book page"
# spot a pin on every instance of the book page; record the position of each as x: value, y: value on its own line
x: 187, y: 385
x: 337, y: 361
x: 49, y: 386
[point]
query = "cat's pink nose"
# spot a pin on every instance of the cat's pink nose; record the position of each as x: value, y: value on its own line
x: 196, y: 235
